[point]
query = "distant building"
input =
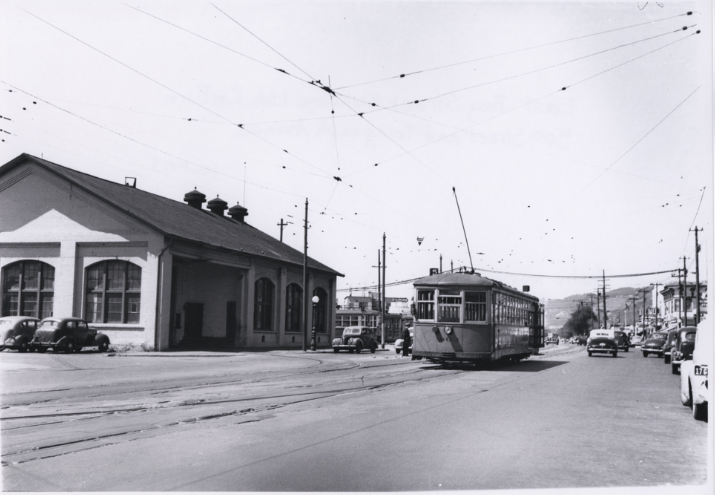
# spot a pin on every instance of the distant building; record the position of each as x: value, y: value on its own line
x: 675, y: 304
x: 147, y: 270
x: 365, y: 311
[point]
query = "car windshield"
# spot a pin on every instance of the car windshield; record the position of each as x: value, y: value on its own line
x: 50, y: 324
x: 690, y: 337
x: 659, y: 336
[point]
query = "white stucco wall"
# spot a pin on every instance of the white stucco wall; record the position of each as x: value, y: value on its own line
x: 44, y: 218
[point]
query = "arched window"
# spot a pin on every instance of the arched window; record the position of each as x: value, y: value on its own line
x: 320, y: 322
x: 28, y: 289
x: 294, y: 307
x: 113, y: 291
x: 263, y: 305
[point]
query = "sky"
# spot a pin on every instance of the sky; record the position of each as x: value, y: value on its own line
x: 573, y: 138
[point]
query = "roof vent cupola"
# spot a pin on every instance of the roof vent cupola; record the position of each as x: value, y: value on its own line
x: 238, y: 212
x: 217, y: 206
x: 195, y: 198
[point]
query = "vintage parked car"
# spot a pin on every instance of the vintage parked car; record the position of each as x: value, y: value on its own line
x: 602, y: 341
x: 581, y: 339
x: 67, y: 334
x: 355, y: 339
x: 683, y: 350
x: 622, y: 341
x: 694, y: 373
x: 16, y: 332
x: 669, y: 344
x: 654, y: 344
x: 400, y: 342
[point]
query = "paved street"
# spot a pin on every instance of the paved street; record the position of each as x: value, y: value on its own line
x: 293, y: 421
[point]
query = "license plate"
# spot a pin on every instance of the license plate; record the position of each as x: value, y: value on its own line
x: 701, y: 370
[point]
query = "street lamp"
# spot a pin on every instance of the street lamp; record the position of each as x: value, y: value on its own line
x: 315, y: 300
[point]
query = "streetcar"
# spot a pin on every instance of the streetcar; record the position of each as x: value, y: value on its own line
x: 465, y: 317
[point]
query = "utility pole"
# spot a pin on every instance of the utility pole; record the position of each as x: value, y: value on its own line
x: 379, y: 278
x: 384, y: 300
x: 684, y: 293
x: 697, y: 277
x: 644, y: 291
x: 451, y: 266
x: 656, y: 304
x: 680, y: 288
x: 591, y: 307
x: 282, y: 225
x: 305, y: 280
x: 605, y: 313
x: 598, y: 307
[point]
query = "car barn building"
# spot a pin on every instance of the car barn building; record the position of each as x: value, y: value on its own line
x: 150, y: 271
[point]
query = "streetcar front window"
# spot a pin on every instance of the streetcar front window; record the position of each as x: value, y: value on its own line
x: 450, y: 306
x: 425, y: 305
x: 475, y: 306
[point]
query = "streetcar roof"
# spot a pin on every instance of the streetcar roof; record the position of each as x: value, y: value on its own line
x: 466, y: 280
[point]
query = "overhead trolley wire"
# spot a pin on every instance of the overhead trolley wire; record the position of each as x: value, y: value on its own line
x: 177, y: 93
x: 541, y: 69
x: 401, y: 76
x: 259, y: 39
x: 641, y: 139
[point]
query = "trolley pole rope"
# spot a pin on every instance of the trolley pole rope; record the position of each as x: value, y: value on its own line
x: 465, y: 230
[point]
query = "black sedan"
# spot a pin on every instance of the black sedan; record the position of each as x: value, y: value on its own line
x: 68, y: 335
x: 655, y: 344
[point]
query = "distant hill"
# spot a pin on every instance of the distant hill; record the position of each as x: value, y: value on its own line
x: 557, y: 311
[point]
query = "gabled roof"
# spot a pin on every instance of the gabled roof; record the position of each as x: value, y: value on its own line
x: 176, y: 219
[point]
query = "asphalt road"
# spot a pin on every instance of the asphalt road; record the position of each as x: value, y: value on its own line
x: 293, y: 421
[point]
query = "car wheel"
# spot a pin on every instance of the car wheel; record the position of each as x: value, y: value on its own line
x: 660, y: 354
x: 645, y: 354
x: 335, y: 349
x: 700, y: 411
x: 373, y: 348
x: 351, y: 351
x: 42, y: 350
x: 69, y: 347
x: 626, y: 349
x: 103, y: 346
x: 615, y: 354
x: 675, y: 369
x: 397, y: 350
x: 666, y: 359
x: 590, y: 354
x: 22, y: 345
x: 77, y: 349
x: 358, y: 348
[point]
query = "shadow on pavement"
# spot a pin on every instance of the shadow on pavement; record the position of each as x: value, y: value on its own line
x: 526, y: 366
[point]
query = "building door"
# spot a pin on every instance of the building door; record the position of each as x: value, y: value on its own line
x: 193, y: 321
x: 231, y: 321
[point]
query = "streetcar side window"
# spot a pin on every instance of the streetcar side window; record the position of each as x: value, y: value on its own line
x: 475, y: 306
x: 425, y: 305
x: 450, y: 306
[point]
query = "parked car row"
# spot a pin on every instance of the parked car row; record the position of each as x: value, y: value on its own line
x: 694, y: 371
x: 25, y: 333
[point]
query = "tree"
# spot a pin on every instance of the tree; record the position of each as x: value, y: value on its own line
x: 579, y: 322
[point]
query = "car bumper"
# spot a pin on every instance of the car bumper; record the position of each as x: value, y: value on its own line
x: 345, y: 347
x: 606, y: 350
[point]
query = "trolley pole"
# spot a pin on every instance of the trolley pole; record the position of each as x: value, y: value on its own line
x: 384, y: 300
x: 305, y: 280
